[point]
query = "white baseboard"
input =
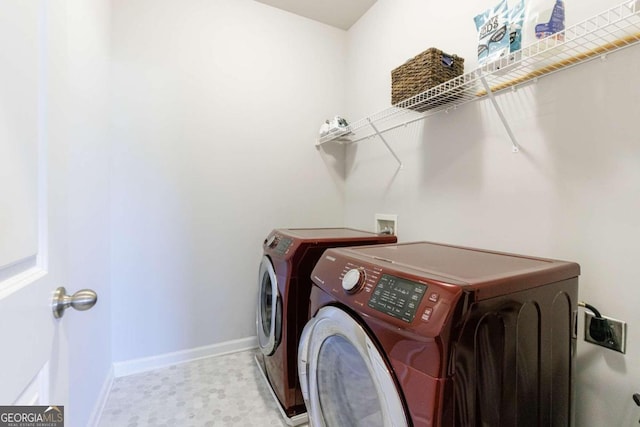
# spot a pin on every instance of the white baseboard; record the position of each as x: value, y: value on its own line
x: 96, y: 414
x: 136, y: 366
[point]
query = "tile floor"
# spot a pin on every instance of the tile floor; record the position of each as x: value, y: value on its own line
x: 218, y: 391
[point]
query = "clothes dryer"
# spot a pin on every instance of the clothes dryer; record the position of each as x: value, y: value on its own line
x: 283, y: 305
x: 425, y: 334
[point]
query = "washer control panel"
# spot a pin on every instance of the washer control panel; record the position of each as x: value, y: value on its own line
x: 397, y: 297
x: 386, y: 292
x: 283, y: 245
x: 279, y: 244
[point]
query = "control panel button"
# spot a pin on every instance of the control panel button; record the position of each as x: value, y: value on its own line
x: 353, y: 280
x: 427, y: 314
x: 434, y: 297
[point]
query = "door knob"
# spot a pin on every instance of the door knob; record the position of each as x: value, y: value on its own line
x: 82, y: 300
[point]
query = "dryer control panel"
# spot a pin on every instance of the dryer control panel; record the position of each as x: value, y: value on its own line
x: 397, y: 297
x: 388, y: 292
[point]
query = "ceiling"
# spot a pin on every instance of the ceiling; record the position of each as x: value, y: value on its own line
x: 337, y: 13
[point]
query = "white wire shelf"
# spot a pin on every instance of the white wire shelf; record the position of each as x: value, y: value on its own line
x: 609, y: 31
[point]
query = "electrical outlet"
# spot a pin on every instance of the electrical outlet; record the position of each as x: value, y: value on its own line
x: 618, y: 340
x: 386, y: 224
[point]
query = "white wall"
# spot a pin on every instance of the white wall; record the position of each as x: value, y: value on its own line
x: 78, y: 85
x: 573, y: 192
x: 215, y: 107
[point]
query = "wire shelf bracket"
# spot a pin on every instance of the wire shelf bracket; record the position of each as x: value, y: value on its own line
x: 393, y: 153
x: 514, y: 142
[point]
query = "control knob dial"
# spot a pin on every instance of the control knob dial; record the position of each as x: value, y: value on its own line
x: 272, y: 241
x: 353, y: 280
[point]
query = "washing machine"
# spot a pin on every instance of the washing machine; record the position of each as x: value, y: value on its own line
x: 283, y: 303
x: 427, y: 334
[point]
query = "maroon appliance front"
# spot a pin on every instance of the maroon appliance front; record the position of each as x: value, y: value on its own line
x: 283, y: 304
x: 471, y: 337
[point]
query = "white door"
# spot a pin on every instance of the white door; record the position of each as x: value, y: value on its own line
x: 33, y: 360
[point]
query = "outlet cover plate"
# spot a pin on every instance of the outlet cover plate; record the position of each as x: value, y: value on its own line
x: 619, y: 328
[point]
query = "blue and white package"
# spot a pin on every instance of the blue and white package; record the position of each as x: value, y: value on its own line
x: 516, y: 24
x: 493, y: 33
x: 555, y: 25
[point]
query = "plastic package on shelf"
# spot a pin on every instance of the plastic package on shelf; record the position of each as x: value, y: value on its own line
x: 493, y: 33
x: 336, y: 127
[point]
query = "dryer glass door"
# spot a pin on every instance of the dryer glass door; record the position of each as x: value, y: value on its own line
x: 269, y: 312
x: 344, y: 377
x: 345, y: 385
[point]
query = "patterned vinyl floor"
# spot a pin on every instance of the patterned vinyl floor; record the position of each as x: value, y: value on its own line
x: 218, y: 391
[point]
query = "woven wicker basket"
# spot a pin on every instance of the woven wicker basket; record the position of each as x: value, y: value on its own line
x: 424, y: 71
